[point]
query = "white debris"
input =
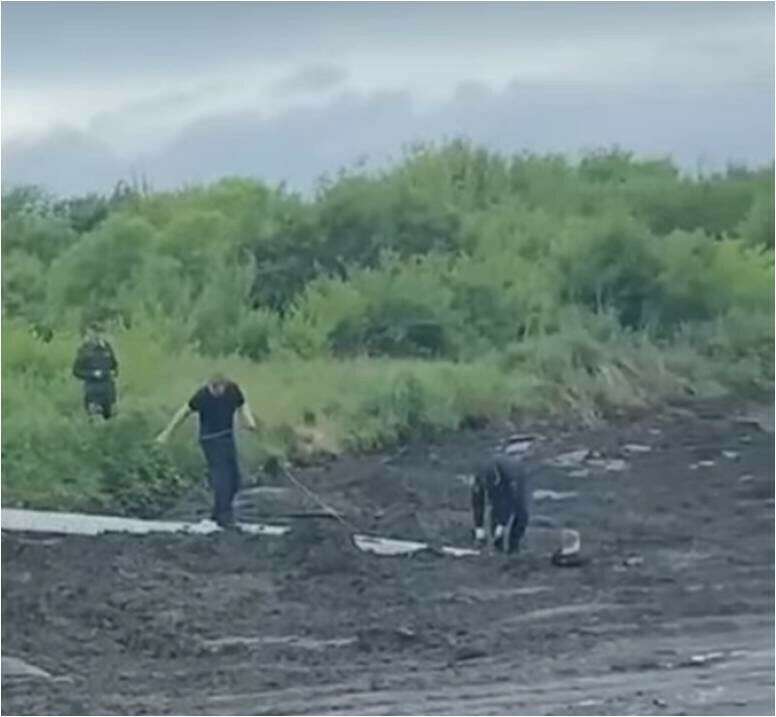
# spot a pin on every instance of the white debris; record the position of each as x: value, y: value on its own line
x: 636, y: 448
x: 633, y: 561
x: 570, y: 542
x: 553, y: 495
x: 706, y: 464
x: 614, y: 465
x: 390, y: 546
x: 570, y: 459
x: 41, y: 521
x: 706, y: 658
x: 18, y: 668
x: 746, y: 478
x: 466, y: 478
x: 583, y: 458
x: 731, y: 455
x: 517, y: 447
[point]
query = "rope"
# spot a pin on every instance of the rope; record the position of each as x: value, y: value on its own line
x: 315, y: 498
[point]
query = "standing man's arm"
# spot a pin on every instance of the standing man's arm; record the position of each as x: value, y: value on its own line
x: 246, y: 415
x: 180, y: 416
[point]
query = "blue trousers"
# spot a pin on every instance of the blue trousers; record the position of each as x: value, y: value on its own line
x: 224, y: 473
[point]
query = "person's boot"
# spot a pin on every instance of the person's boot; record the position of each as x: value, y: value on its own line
x: 227, y: 522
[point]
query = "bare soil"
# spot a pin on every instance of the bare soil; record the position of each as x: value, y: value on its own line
x: 672, y: 614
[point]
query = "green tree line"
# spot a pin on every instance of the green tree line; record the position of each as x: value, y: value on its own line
x: 541, y: 266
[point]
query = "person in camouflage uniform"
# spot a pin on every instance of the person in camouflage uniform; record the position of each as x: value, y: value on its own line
x: 95, y: 364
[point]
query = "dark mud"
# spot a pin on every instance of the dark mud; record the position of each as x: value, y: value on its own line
x: 672, y: 614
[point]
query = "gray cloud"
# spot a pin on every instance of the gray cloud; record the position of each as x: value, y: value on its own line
x: 315, y: 78
x: 189, y: 92
x: 65, y: 161
x: 300, y: 145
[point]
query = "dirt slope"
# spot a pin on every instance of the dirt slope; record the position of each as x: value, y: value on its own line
x: 673, y: 614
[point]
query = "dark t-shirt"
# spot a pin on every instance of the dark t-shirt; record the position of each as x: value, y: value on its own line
x: 216, y: 413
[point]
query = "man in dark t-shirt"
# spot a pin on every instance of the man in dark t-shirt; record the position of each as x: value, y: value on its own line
x: 216, y: 403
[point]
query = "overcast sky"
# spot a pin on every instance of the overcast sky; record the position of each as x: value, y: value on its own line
x: 190, y: 92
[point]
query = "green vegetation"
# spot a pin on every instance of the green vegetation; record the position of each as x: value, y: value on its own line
x: 457, y: 287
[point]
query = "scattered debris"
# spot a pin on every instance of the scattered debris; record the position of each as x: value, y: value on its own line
x: 518, y: 446
x: 702, y: 464
x: 636, y: 448
x: 703, y: 659
x: 656, y: 431
x: 612, y: 465
x: 16, y: 668
x: 633, y: 561
x: 554, y: 495
x: 523, y: 437
x: 570, y: 459
x: 731, y: 455
x: 567, y: 556
x: 466, y: 478
x: 658, y: 702
x: 41, y: 521
x: 585, y: 457
x: 390, y: 546
x: 588, y: 703
x: 762, y: 421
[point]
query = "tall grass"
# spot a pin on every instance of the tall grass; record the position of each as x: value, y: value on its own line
x: 54, y: 457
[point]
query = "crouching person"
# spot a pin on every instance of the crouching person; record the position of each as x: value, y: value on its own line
x: 501, y: 483
x: 216, y: 403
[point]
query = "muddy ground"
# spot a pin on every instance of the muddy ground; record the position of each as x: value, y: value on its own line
x: 673, y: 614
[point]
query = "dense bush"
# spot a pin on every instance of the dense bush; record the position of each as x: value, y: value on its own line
x: 455, y: 287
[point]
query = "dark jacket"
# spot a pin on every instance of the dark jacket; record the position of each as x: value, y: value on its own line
x: 95, y: 362
x: 503, y: 483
